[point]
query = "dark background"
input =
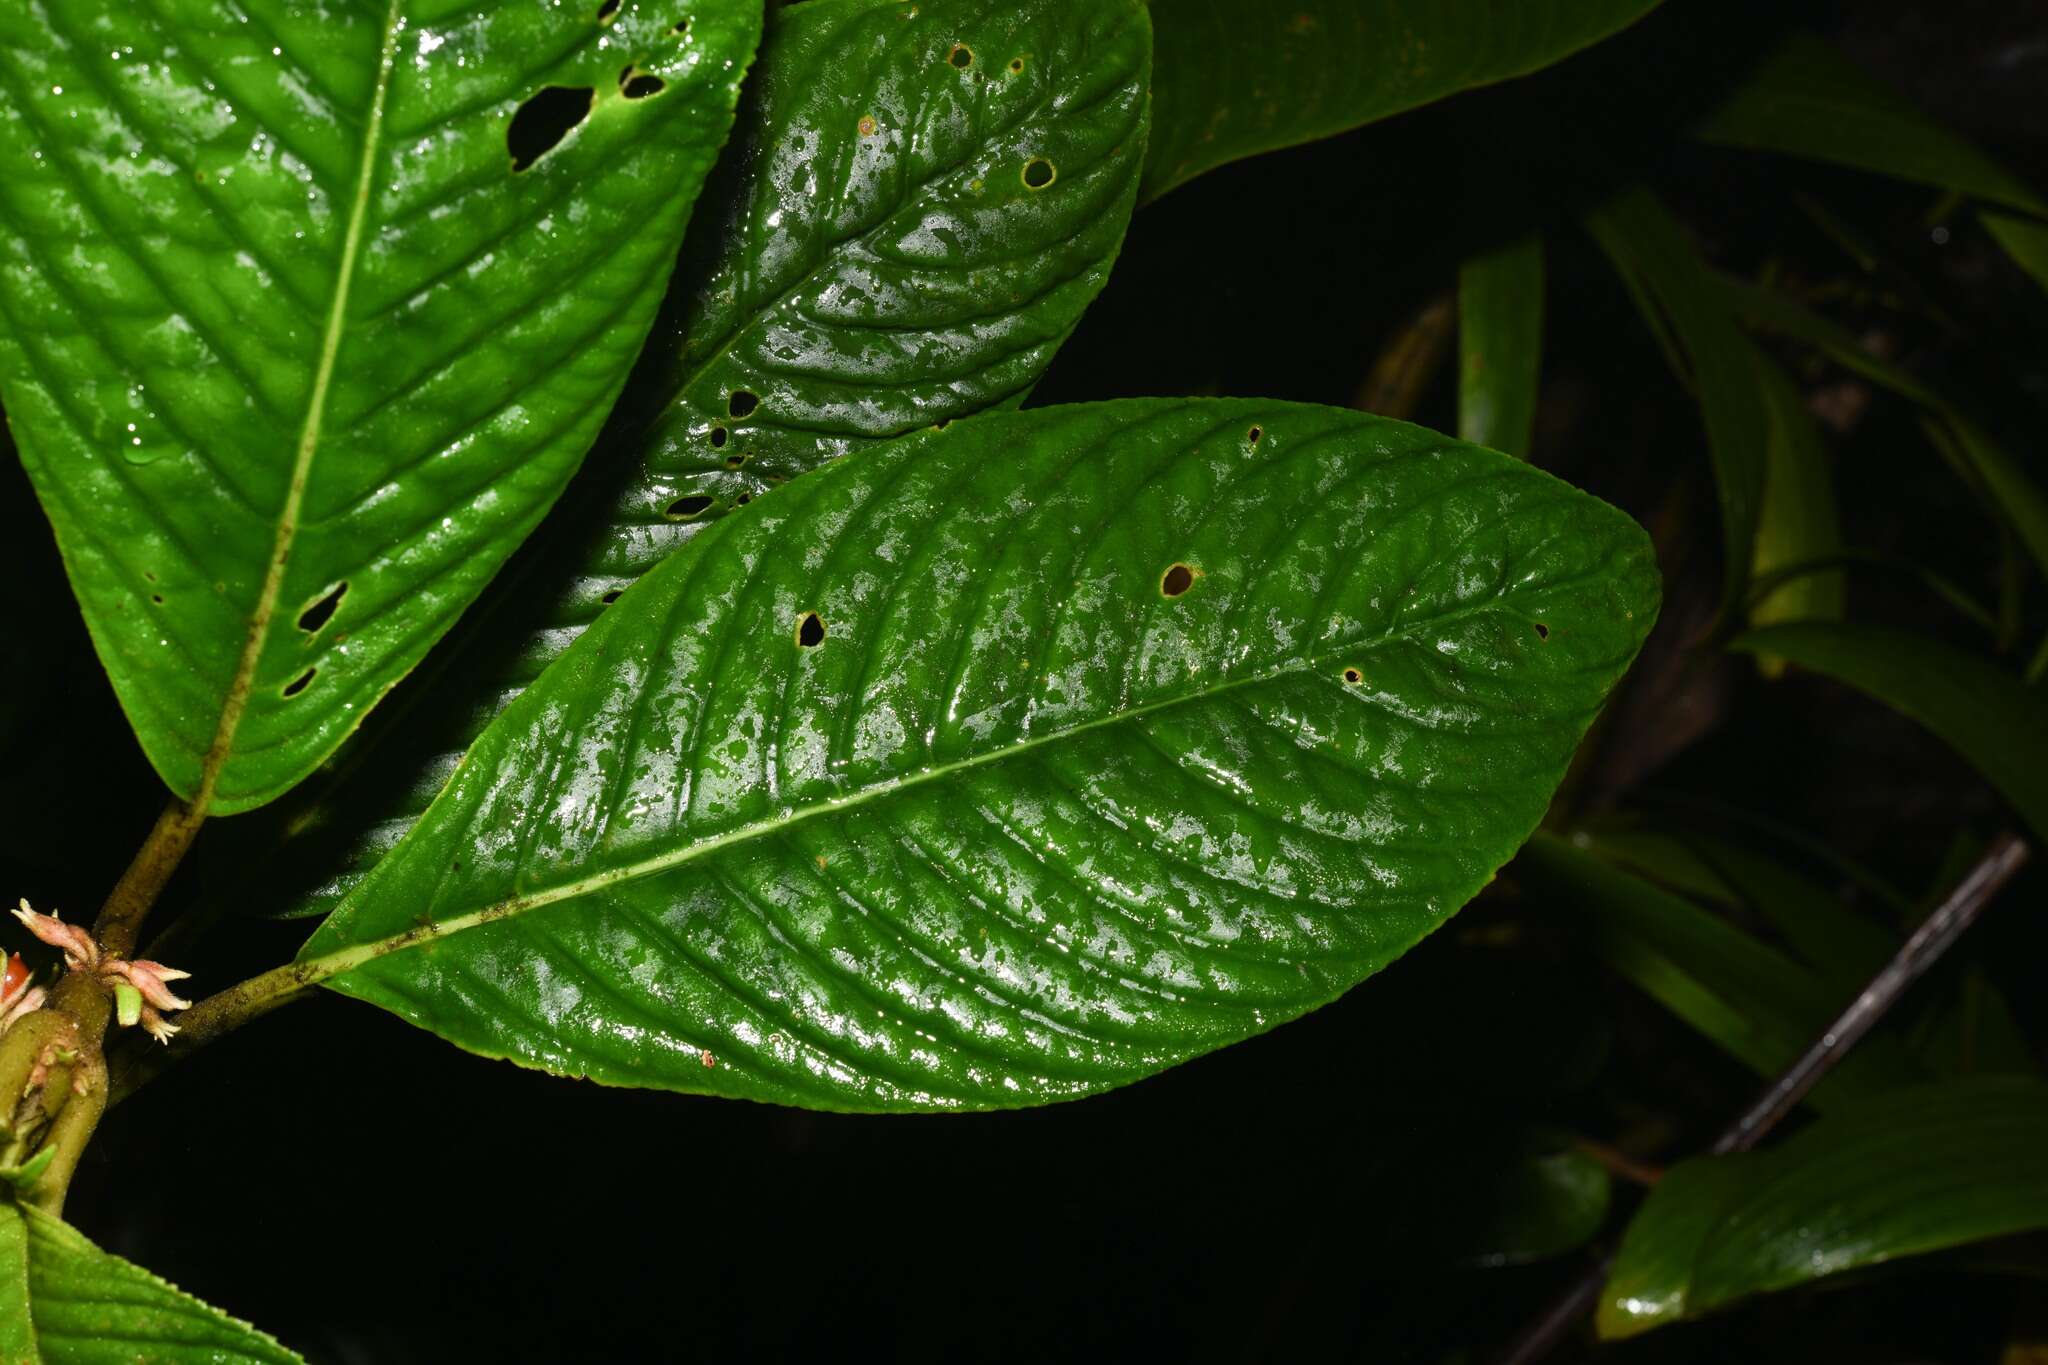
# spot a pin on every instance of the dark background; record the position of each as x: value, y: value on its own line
x: 368, y: 1193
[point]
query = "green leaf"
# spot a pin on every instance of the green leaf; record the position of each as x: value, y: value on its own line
x: 1537, y: 1199
x: 1012, y: 762
x: 853, y: 285
x: 315, y: 355
x: 1753, y: 1002
x: 2025, y: 240
x: 1985, y: 714
x: 65, y: 1302
x: 1681, y: 302
x: 1919, y: 1170
x: 1500, y: 346
x: 1797, y: 523
x: 1999, y: 477
x: 1239, y: 77
x: 1808, y: 100
x: 1777, y: 313
x: 22, y: 1178
x: 1974, y: 1032
x: 1843, y: 948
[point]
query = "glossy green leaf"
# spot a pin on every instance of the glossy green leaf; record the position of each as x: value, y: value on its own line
x: 2024, y: 239
x: 870, y: 261
x: 1808, y: 100
x: 1919, y: 1170
x: 1238, y: 77
x: 1012, y: 762
x: 1500, y: 346
x: 1984, y: 713
x: 1684, y: 307
x: 294, y: 351
x: 1749, y: 999
x: 1797, y: 523
x: 63, y: 1301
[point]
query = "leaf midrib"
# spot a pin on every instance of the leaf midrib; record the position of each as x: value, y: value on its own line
x: 235, y: 702
x: 314, y: 970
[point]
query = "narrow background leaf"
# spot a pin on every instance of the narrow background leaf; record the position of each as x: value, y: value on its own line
x: 1985, y: 714
x: 2009, y: 492
x: 1808, y: 100
x: 1683, y: 308
x: 1797, y: 523
x: 1500, y: 346
x: 1918, y: 1170
x: 1749, y: 999
x: 2024, y: 239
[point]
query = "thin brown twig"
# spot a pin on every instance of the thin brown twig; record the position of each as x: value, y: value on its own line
x: 120, y: 920
x: 1619, y: 1163
x: 2006, y: 856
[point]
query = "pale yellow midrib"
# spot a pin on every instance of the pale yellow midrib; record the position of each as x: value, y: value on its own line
x: 236, y: 702
x: 314, y: 970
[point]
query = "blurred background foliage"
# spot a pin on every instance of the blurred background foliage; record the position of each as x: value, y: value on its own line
x: 1772, y: 278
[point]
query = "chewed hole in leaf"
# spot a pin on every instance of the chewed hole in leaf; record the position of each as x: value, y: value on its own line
x: 1353, y: 676
x: 612, y: 596
x: 300, y: 683
x: 539, y: 125
x: 1016, y: 66
x: 1038, y: 173
x: 693, y: 505
x: 321, y: 610
x: 1176, y: 580
x: 1254, y: 434
x: 961, y: 57
x: 682, y: 28
x: 742, y: 403
x: 736, y: 459
x: 718, y: 435
x: 608, y: 11
x: 640, y: 87
x: 810, y: 631
x: 1542, y: 631
x: 743, y: 499
x: 157, y: 598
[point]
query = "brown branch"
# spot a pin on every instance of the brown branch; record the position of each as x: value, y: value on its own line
x: 2006, y: 856
x: 1618, y: 1163
x: 120, y: 921
x: 214, y: 1017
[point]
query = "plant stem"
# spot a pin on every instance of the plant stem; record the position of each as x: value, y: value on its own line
x: 120, y: 921
x: 61, y: 1045
x: 215, y: 1016
x: 2006, y: 856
